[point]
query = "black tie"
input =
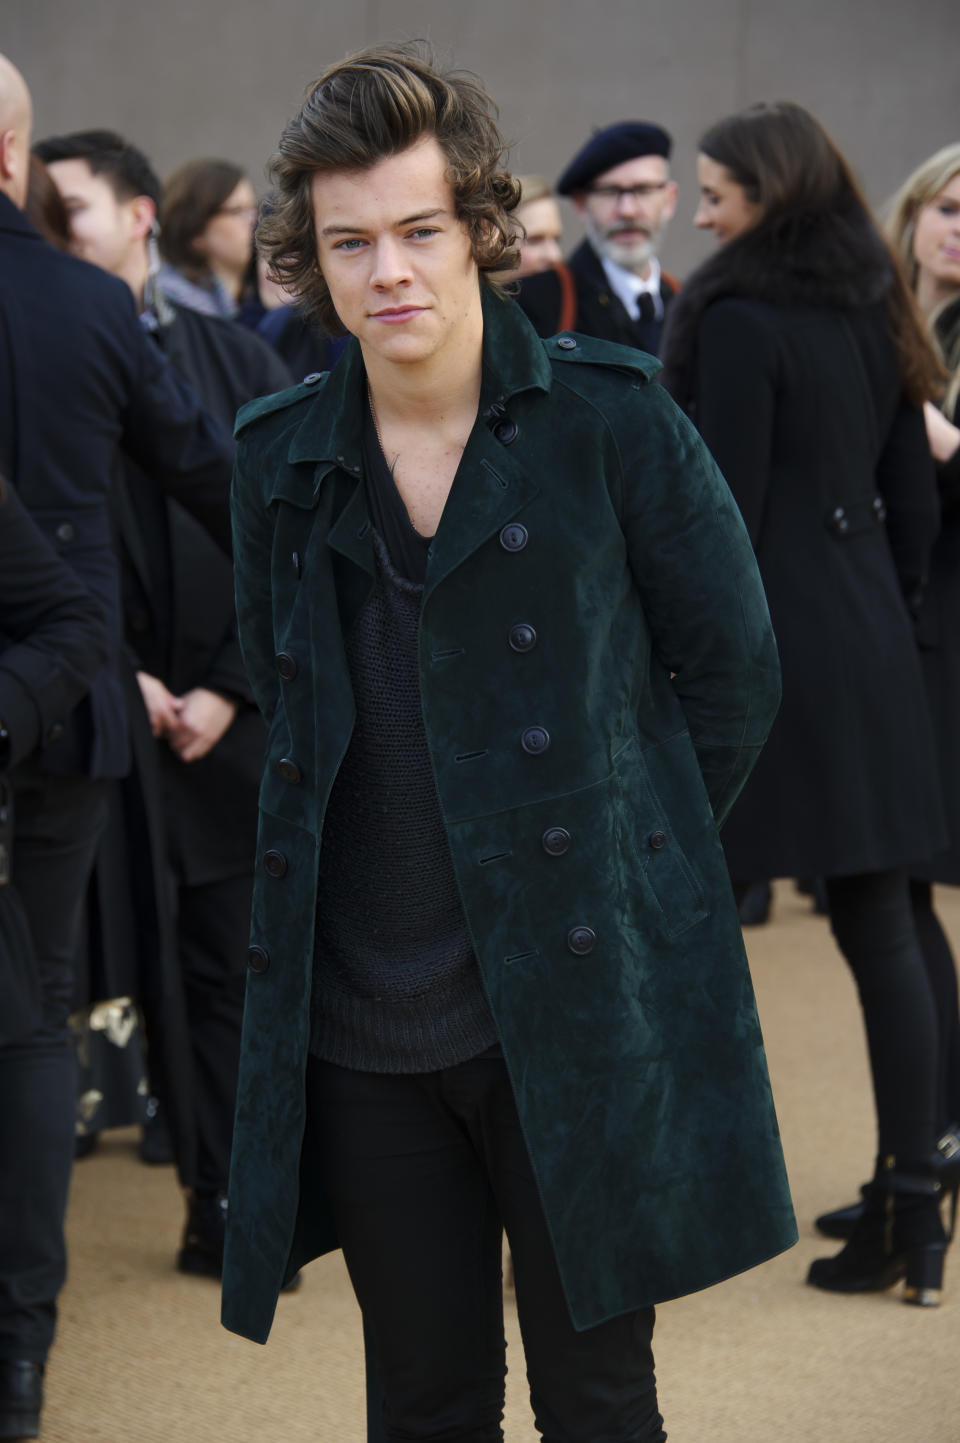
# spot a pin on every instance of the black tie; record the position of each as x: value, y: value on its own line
x: 646, y: 310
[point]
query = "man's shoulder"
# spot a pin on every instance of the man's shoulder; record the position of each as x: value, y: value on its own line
x: 270, y: 416
x: 240, y: 347
x: 571, y: 349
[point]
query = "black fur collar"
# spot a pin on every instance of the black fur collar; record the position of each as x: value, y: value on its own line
x: 831, y: 260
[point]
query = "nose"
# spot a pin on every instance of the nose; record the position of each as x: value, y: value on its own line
x: 628, y: 203
x: 390, y: 266
x: 702, y: 218
x: 552, y: 251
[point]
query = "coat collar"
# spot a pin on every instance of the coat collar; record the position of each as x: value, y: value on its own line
x: 513, y: 361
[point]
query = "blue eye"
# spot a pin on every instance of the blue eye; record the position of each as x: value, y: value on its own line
x: 348, y: 245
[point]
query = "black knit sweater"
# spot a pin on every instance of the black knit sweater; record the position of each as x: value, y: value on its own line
x: 396, y: 987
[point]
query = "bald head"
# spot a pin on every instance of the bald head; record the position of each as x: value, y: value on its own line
x: 16, y: 119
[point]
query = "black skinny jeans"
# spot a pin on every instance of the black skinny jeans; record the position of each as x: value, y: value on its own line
x: 942, y: 975
x: 872, y: 919
x: 423, y: 1174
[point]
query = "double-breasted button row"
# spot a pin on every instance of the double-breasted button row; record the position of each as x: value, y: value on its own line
x: 274, y: 863
x: 258, y: 959
x: 535, y: 740
x: 522, y: 637
x: 555, y: 841
x: 514, y: 537
x: 285, y: 665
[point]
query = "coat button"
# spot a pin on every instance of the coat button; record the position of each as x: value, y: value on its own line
x: 514, y: 537
x: 258, y: 959
x: 506, y: 431
x: 289, y: 770
x: 312, y: 378
x: 66, y: 531
x: 535, y: 740
x: 581, y: 940
x: 555, y: 841
x: 566, y: 343
x: 522, y: 637
x: 657, y: 840
x: 274, y: 864
x: 286, y: 665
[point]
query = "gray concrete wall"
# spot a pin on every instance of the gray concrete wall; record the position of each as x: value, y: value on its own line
x: 220, y: 77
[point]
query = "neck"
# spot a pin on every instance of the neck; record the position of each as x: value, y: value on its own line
x: 440, y: 390
x: 135, y: 272
x: 931, y: 293
x: 231, y: 280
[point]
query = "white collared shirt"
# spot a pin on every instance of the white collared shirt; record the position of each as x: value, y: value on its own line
x: 628, y: 287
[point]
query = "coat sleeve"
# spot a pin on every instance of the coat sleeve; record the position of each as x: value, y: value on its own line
x: 693, y: 565
x: 735, y: 388
x: 252, y: 551
x: 166, y: 431
x: 907, y: 481
x: 53, y: 634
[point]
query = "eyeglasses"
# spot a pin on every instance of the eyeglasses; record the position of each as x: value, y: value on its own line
x: 616, y: 193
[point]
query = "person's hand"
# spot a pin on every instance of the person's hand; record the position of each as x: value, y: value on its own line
x: 203, y: 718
x: 943, y: 435
x: 163, y: 708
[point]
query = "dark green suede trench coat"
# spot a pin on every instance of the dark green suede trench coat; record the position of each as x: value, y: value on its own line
x: 590, y: 510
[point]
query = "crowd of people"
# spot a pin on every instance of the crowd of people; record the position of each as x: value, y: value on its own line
x: 398, y: 961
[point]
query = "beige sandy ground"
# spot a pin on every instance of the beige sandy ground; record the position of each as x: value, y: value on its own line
x: 141, y: 1357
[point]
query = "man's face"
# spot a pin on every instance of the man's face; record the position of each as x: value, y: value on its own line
x: 398, y: 262
x: 103, y: 229
x: 625, y: 210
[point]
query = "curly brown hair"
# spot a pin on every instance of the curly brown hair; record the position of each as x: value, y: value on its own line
x: 372, y: 105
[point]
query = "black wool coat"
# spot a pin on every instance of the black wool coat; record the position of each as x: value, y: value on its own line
x: 779, y: 352
x: 939, y: 629
x: 79, y: 384
x: 600, y: 312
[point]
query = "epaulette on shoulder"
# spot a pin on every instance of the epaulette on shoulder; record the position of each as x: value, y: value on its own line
x: 589, y: 351
x: 279, y: 401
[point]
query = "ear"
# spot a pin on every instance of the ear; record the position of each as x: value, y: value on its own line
x: 143, y: 213
x: 669, y: 200
x: 579, y: 199
x: 8, y: 167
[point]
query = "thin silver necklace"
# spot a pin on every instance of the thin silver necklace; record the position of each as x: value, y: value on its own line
x: 391, y: 465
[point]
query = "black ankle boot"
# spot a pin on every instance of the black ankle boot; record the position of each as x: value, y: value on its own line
x: 841, y: 1222
x: 900, y: 1235
x: 21, y: 1398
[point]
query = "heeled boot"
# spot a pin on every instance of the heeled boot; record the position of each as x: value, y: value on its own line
x: 899, y: 1235
x: 841, y: 1222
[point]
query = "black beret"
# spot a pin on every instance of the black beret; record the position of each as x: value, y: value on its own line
x: 612, y: 146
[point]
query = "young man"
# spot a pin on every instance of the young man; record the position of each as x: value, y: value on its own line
x: 503, y: 617
x: 620, y: 185
x: 200, y: 780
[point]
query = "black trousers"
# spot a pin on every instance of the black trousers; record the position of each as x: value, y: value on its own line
x: 212, y: 929
x: 871, y: 917
x: 424, y: 1173
x: 57, y: 823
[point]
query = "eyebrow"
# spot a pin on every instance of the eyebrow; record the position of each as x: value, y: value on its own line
x: 407, y: 220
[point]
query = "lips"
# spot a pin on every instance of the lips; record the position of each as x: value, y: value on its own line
x: 393, y: 315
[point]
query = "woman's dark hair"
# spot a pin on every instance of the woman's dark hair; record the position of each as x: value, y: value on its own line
x: 192, y: 196
x: 45, y: 208
x: 370, y: 106
x: 789, y: 166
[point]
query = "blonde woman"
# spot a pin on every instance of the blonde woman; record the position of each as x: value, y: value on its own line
x: 539, y: 215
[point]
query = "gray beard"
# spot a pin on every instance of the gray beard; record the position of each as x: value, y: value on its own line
x: 635, y: 257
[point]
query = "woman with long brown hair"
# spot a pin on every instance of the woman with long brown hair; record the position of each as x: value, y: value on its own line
x: 797, y: 351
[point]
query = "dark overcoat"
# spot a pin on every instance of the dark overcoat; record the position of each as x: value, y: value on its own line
x: 80, y: 384
x: 585, y: 507
x: 599, y: 310
x: 938, y: 630
x: 794, y: 385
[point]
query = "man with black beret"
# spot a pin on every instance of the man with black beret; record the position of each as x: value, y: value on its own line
x: 612, y: 287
